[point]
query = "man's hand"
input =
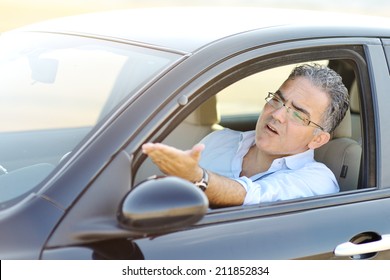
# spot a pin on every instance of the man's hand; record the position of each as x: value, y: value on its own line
x: 175, y: 162
x: 221, y: 191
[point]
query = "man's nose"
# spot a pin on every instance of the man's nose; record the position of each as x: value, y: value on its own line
x: 280, y: 114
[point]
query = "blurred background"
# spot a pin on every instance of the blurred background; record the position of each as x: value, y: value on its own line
x: 15, y: 13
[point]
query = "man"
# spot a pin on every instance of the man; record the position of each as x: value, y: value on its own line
x: 276, y: 161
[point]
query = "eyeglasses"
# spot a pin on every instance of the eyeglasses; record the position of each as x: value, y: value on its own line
x: 294, y: 115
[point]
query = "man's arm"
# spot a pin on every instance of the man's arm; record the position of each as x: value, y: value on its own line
x: 224, y: 192
x: 221, y: 191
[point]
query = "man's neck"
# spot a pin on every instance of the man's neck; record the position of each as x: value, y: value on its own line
x: 255, y: 162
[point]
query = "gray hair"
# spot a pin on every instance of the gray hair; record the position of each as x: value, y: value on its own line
x: 329, y: 81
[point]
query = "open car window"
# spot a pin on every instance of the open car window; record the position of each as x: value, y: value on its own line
x: 239, y: 105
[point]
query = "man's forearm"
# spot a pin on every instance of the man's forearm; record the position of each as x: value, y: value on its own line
x: 223, y: 192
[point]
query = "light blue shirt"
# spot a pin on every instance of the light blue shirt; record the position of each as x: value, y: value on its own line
x: 289, y: 177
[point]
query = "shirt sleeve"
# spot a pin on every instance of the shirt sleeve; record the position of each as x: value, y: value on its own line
x: 307, y: 181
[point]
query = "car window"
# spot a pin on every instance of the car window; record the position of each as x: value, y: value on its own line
x: 238, y: 106
x: 53, y: 90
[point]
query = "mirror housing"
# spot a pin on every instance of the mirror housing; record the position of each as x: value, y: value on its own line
x: 162, y: 205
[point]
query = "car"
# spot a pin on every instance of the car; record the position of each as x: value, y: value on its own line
x: 80, y: 95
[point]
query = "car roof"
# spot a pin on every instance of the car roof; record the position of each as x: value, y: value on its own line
x: 186, y: 29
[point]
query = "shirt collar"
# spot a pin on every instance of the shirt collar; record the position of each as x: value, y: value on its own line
x: 299, y: 160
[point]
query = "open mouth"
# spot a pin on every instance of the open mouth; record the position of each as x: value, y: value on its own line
x: 273, y: 130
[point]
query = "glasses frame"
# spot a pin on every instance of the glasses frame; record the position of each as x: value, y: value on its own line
x: 305, y: 121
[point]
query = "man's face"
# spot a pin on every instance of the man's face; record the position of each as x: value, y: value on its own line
x: 277, y: 134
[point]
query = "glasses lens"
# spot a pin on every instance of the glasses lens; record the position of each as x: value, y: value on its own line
x: 294, y: 115
x: 274, y: 101
x: 298, y: 117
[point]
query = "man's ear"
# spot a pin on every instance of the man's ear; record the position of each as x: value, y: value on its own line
x: 319, y: 139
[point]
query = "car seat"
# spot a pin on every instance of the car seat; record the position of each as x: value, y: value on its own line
x: 355, y: 112
x: 342, y: 155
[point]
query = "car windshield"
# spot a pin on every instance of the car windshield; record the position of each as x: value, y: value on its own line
x: 54, y: 89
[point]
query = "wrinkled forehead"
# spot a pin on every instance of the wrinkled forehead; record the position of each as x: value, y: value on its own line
x: 301, y: 93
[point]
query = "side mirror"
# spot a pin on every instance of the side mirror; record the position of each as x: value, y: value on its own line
x: 162, y: 205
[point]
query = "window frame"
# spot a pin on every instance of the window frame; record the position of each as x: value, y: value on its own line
x: 234, y: 69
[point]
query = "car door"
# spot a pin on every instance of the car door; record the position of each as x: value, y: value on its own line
x: 351, y: 225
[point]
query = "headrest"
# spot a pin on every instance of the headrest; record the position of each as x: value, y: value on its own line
x: 354, y: 97
x: 205, y: 114
x: 344, y: 129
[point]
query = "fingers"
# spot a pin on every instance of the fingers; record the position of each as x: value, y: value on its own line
x: 147, y: 148
x: 158, y: 149
x: 150, y: 148
x: 197, y: 151
x: 164, y: 156
x: 172, y: 161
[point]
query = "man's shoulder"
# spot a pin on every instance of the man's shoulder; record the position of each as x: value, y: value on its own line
x: 225, y: 132
x: 222, y: 139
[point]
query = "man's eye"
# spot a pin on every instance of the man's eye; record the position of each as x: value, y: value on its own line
x: 299, y: 116
x: 276, y: 99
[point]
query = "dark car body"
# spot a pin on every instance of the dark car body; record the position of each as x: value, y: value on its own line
x: 77, y: 198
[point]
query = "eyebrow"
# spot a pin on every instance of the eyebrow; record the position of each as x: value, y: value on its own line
x: 300, y: 109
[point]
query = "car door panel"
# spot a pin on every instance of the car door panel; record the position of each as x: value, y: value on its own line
x: 305, y: 234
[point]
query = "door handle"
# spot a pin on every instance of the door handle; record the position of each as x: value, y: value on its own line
x: 350, y: 249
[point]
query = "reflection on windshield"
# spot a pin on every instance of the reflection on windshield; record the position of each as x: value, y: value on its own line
x: 53, y: 90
